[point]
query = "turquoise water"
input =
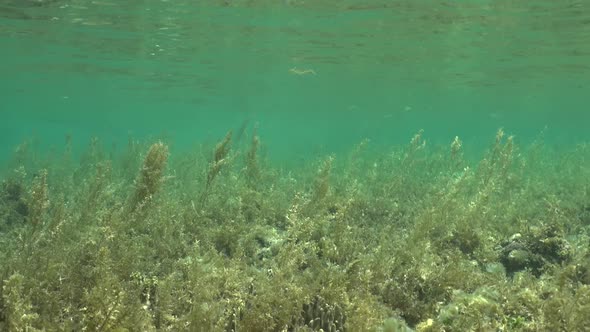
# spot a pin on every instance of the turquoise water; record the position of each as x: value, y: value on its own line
x: 315, y: 76
x: 260, y: 165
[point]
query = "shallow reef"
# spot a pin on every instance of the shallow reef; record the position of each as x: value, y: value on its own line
x: 416, y: 238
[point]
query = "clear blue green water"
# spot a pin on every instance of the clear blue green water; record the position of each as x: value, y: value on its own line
x: 314, y: 75
x: 260, y: 165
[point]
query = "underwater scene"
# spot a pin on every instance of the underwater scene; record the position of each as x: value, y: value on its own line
x: 294, y: 165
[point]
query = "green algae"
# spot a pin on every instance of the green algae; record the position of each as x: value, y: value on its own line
x: 417, y: 238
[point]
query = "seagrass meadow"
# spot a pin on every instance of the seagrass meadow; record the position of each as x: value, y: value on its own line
x: 219, y: 240
x: 294, y: 166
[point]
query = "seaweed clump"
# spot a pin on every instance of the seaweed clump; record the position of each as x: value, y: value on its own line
x: 14, y: 208
x: 535, y: 251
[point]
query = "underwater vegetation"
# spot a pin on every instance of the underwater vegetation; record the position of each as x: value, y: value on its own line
x: 421, y: 238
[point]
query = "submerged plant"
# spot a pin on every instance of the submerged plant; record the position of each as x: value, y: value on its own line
x: 419, y: 239
x: 252, y: 166
x: 220, y: 159
x: 150, y: 176
x: 39, y: 200
x: 18, y: 308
